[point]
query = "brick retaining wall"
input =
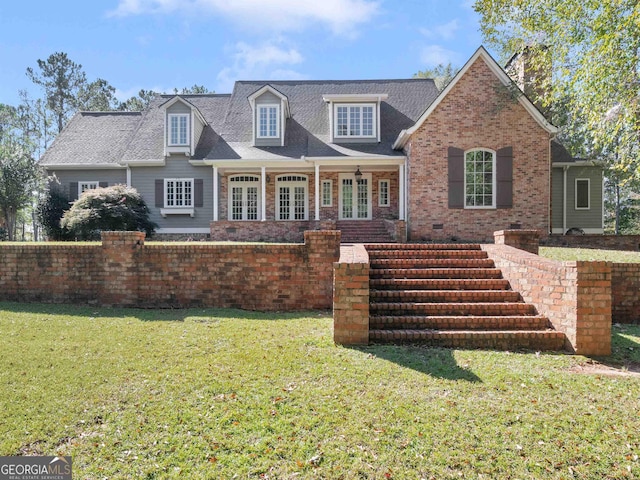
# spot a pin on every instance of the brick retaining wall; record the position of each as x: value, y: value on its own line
x: 606, y: 242
x: 351, y: 296
x: 123, y: 271
x: 267, y: 231
x: 625, y: 289
x: 575, y: 296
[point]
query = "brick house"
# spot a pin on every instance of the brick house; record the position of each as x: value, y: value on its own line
x: 376, y: 159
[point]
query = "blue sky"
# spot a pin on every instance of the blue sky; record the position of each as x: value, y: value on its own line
x: 161, y: 44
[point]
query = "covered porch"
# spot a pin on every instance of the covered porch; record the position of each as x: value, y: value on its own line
x: 279, y: 200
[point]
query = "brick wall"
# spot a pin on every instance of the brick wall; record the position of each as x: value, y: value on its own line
x: 607, y: 242
x: 527, y: 240
x: 267, y: 231
x: 625, y: 288
x: 575, y: 296
x: 351, y: 296
x: 477, y: 113
x: 123, y: 271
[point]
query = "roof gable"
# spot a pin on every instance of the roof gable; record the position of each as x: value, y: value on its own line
x: 268, y: 88
x: 482, y: 55
x: 178, y: 98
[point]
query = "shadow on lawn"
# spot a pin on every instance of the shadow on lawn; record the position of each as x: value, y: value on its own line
x: 436, y: 362
x: 625, y: 351
x: 150, y: 315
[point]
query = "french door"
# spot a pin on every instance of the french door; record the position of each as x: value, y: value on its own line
x: 355, y: 197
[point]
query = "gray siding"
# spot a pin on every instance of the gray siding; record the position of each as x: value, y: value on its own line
x: 271, y: 99
x: 143, y: 179
x: 198, y: 127
x: 584, y: 219
x: 66, y: 177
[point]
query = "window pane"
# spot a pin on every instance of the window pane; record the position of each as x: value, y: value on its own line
x: 326, y: 193
x: 354, y: 121
x: 582, y: 194
x: 252, y: 203
x: 273, y: 122
x: 263, y: 121
x: 183, y: 130
x: 342, y: 121
x: 299, y: 203
x: 174, y: 130
x: 285, y: 203
x: 479, y: 178
x: 367, y: 121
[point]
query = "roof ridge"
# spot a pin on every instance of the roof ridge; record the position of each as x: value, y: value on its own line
x: 108, y: 112
x: 368, y: 80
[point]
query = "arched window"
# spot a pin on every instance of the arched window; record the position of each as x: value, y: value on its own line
x: 292, y: 197
x: 480, y: 178
x: 244, y: 197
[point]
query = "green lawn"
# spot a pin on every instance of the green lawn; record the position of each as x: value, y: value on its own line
x: 217, y: 393
x: 589, y: 254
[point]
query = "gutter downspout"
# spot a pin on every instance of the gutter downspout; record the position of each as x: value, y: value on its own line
x: 564, y: 198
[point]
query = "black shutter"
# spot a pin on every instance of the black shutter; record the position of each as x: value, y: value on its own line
x: 103, y: 184
x: 159, y: 192
x: 198, y: 192
x: 73, y: 191
x: 456, y: 177
x: 504, y: 177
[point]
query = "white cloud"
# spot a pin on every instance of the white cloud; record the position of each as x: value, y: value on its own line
x: 341, y: 16
x: 446, y: 31
x: 433, y: 55
x: 263, y: 62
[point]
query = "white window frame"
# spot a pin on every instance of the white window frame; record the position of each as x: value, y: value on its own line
x: 575, y: 193
x: 267, y: 107
x: 493, y: 180
x: 183, y: 181
x: 380, y: 202
x: 282, y: 181
x: 87, y: 185
x: 244, y: 184
x: 187, y: 132
x: 324, y: 202
x: 359, y: 106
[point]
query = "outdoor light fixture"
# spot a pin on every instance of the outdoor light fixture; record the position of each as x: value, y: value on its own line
x: 358, y: 174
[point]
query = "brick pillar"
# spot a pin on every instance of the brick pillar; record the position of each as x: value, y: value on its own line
x: 351, y: 297
x: 593, y: 302
x: 527, y: 240
x: 323, y: 249
x: 120, y: 278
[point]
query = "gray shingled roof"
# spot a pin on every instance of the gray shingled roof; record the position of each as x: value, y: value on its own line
x: 93, y: 138
x: 560, y: 154
x: 111, y: 137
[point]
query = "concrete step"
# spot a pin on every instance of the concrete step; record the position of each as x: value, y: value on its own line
x: 438, y: 284
x: 435, y: 273
x: 422, y: 254
x: 451, y: 309
x: 472, y: 322
x: 407, y: 263
x: 444, y: 296
x: 549, y: 340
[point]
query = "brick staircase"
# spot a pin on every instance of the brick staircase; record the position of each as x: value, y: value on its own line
x: 450, y: 296
x: 363, y: 231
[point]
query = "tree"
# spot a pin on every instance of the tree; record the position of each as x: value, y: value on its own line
x: 62, y: 80
x: 441, y: 74
x: 50, y: 211
x: 18, y: 177
x: 97, y: 96
x: 119, y: 208
x: 139, y: 102
x: 195, y: 89
x: 594, y: 47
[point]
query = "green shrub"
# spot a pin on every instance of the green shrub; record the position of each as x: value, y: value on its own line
x: 50, y: 211
x: 116, y: 208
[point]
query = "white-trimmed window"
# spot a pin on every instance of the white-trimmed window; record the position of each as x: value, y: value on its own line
x: 178, y: 192
x: 291, y: 197
x: 480, y: 179
x: 355, y: 120
x: 268, y: 121
x: 244, y: 197
x: 384, y: 199
x: 178, y: 129
x: 583, y: 194
x: 84, y: 186
x: 327, y: 193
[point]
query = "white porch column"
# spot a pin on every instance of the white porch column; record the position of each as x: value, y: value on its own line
x: 401, y: 192
x: 263, y: 181
x: 215, y: 194
x: 317, y: 195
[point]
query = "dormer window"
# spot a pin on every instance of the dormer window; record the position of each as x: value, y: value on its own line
x: 355, y: 118
x: 268, y: 121
x: 178, y: 129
